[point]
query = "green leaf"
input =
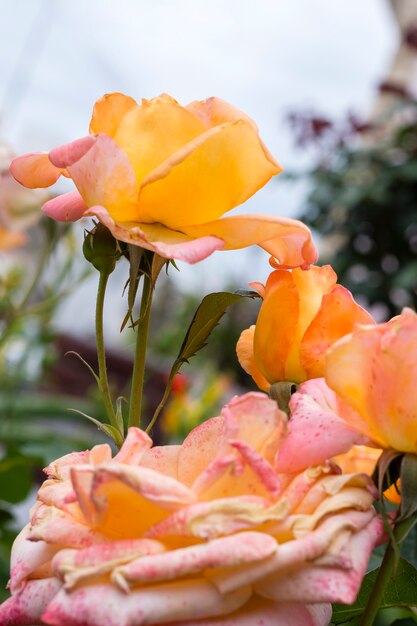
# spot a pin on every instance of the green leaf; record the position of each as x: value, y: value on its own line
x: 400, y: 591
x: 206, y: 318
x: 16, y: 478
x: 108, y: 429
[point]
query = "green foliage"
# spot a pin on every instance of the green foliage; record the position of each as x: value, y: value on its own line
x: 363, y: 199
x: 401, y: 591
x: 206, y: 318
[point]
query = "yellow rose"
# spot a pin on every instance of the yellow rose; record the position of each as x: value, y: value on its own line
x: 160, y: 175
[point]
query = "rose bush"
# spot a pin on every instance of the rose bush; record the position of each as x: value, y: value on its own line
x: 209, y: 532
x: 160, y: 175
x: 302, y: 315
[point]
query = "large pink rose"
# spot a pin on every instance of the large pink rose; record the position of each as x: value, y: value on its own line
x: 206, y: 533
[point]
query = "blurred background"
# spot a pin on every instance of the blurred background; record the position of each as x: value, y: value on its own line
x: 332, y: 87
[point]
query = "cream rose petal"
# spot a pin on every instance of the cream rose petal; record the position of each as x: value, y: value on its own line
x: 237, y: 550
x: 103, y: 605
x: 26, y: 608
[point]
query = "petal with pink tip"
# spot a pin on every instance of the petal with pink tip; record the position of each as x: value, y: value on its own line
x: 69, y: 207
x: 167, y: 243
x: 26, y: 608
x: 102, y: 174
x: 35, y: 170
x: 254, y: 419
x: 315, y: 431
x: 134, y: 447
x: 27, y: 556
x: 287, y: 240
x: 226, y: 552
x: 104, y: 605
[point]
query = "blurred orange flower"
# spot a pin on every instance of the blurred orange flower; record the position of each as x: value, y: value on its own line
x: 374, y: 372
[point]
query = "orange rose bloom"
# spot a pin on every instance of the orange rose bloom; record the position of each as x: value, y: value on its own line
x: 302, y: 315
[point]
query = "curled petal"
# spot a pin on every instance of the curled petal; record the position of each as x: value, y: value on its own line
x: 223, y: 516
x: 35, y: 170
x: 74, y: 566
x: 225, y: 552
x: 321, y: 583
x: 294, y: 554
x: 287, y: 240
x: 66, y: 208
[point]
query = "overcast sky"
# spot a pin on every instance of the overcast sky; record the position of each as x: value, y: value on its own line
x: 265, y: 56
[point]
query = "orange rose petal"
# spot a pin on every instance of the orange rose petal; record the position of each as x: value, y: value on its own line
x: 215, y: 111
x: 349, y: 371
x: 35, y: 170
x: 108, y: 112
x: 156, y: 237
x: 276, y: 326
x: 336, y: 317
x: 153, y: 131
x: 287, y: 240
x: 166, y: 193
x: 311, y: 286
x: 244, y: 351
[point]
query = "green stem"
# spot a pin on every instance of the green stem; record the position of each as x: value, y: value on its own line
x: 20, y: 309
x: 385, y: 572
x: 101, y: 354
x: 164, y: 399
x: 136, y: 393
